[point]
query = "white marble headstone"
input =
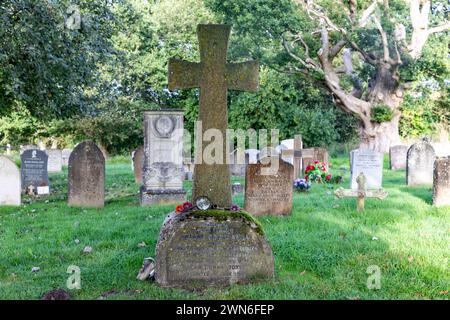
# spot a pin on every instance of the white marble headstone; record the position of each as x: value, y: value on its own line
x: 10, y: 187
x: 371, y: 164
x: 54, y: 163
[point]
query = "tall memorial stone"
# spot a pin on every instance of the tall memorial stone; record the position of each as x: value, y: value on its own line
x: 86, y: 181
x: 34, y: 172
x: 138, y: 162
x: 54, y: 163
x: 163, y: 172
x: 419, y: 164
x: 368, y: 162
x: 269, y: 194
x: 441, y: 182
x: 397, y: 157
x: 212, y: 243
x: 9, y: 183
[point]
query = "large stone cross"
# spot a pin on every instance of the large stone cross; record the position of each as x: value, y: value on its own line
x: 361, y: 193
x: 214, y: 76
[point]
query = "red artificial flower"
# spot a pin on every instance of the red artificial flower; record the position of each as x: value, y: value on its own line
x: 306, y: 177
x: 179, y: 208
x: 328, y: 177
x: 187, y: 205
x: 316, y: 162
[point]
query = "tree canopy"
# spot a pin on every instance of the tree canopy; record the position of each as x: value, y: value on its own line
x: 88, y: 69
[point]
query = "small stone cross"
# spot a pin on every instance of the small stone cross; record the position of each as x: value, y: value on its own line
x: 361, y: 193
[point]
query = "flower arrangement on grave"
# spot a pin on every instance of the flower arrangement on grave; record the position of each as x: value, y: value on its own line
x: 301, y: 185
x: 185, y: 207
x: 319, y: 172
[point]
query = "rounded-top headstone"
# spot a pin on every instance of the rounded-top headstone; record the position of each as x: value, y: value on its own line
x: 441, y: 182
x: 9, y: 182
x: 34, y: 172
x: 86, y: 186
x: 212, y: 248
x: 419, y: 164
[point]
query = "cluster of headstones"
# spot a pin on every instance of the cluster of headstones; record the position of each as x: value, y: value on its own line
x: 423, y: 167
x: 86, y: 178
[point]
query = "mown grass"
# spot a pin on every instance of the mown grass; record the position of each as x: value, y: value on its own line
x: 322, y: 251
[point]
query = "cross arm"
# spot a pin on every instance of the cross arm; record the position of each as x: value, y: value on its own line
x: 183, y: 74
x: 243, y: 76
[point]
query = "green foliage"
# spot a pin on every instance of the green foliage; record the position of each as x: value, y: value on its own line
x: 381, y: 113
x: 293, y: 107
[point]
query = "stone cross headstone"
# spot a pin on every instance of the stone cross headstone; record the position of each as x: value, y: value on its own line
x: 10, y: 189
x: 54, y: 160
x: 214, y: 76
x: 294, y: 155
x: 370, y: 163
x: 65, y: 156
x: 222, y: 245
x: 34, y: 172
x: 419, y: 164
x: 163, y: 172
x: 361, y: 193
x: 138, y: 162
x: 397, y: 157
x: 269, y: 194
x: 86, y: 180
x: 441, y: 182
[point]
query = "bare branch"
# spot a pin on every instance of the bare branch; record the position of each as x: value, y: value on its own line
x: 366, y: 56
x: 308, y: 62
x: 367, y: 14
x: 441, y: 28
x: 383, y: 39
x: 334, y: 51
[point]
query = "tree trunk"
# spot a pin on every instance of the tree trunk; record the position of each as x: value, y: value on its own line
x: 385, y: 135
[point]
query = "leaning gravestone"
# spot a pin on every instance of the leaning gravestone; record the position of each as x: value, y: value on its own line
x: 397, y: 157
x: 163, y: 172
x: 54, y: 160
x: 138, y: 162
x: 86, y: 185
x: 441, y: 182
x: 222, y: 246
x: 9, y: 183
x: 368, y: 162
x: 419, y: 164
x: 34, y: 172
x: 269, y: 194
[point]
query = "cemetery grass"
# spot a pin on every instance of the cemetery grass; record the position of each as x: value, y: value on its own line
x: 322, y: 251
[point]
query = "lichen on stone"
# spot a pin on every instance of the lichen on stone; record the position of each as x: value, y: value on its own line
x: 223, y: 215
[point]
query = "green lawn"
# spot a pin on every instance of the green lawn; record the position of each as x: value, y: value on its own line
x: 322, y: 251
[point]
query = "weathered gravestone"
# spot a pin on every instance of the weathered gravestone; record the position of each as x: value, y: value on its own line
x: 253, y: 155
x: 34, y: 172
x: 138, y: 162
x: 368, y: 162
x: 441, y: 182
x: 310, y: 155
x: 54, y: 163
x: 238, y: 162
x: 397, y: 157
x: 65, y: 156
x: 269, y: 193
x: 86, y: 181
x: 9, y: 183
x: 202, y: 248
x: 163, y: 172
x: 214, y: 76
x: 419, y: 164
